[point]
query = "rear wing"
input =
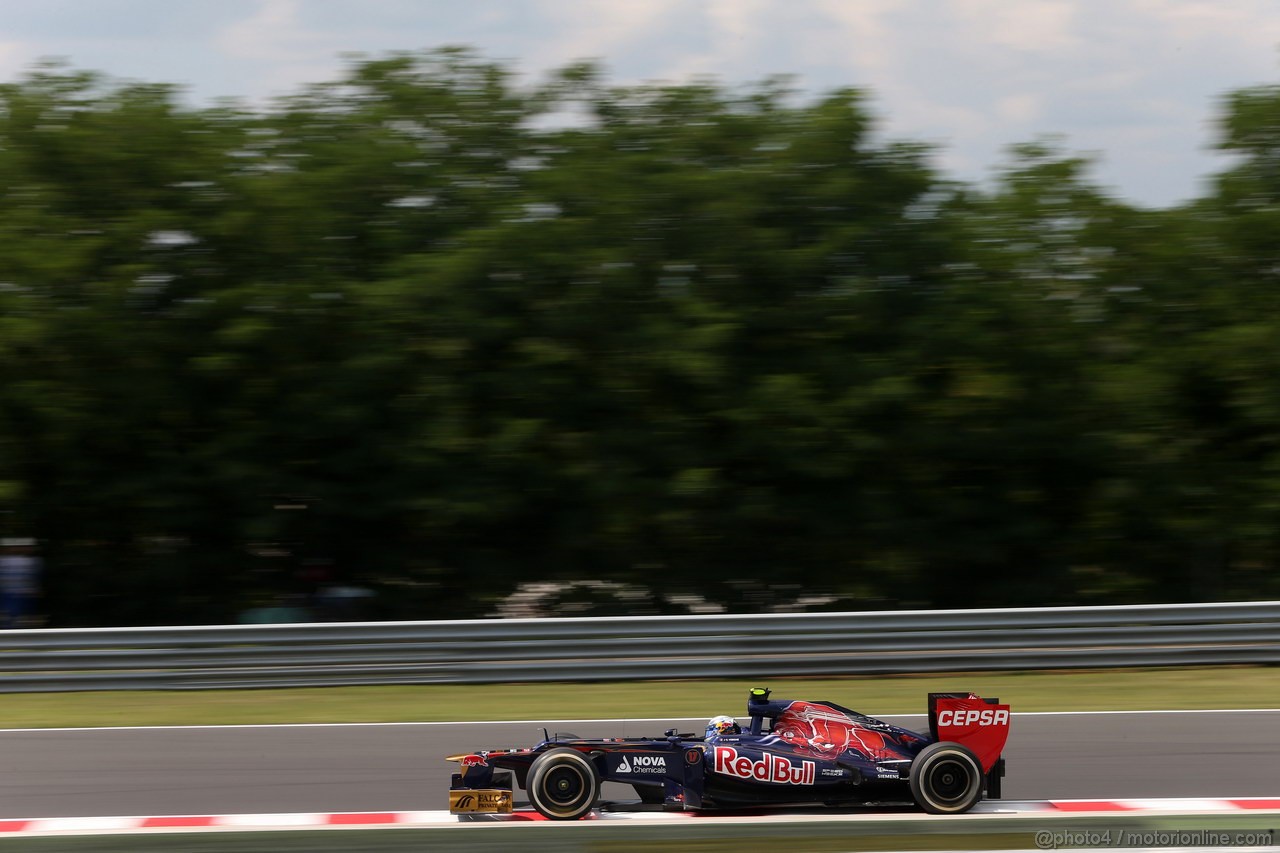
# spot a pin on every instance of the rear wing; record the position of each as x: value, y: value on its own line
x: 980, y: 725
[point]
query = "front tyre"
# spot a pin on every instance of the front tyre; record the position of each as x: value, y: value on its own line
x: 563, y: 784
x: 946, y: 778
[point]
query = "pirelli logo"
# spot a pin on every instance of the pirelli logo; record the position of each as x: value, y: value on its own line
x: 480, y: 801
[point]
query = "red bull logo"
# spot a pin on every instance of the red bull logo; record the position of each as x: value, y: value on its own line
x: 473, y: 761
x: 770, y: 768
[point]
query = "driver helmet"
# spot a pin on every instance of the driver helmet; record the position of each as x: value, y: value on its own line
x: 722, y: 725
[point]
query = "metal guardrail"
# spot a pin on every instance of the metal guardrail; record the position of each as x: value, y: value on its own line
x: 639, y: 647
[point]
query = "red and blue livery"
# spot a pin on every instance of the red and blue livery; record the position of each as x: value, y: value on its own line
x: 791, y: 752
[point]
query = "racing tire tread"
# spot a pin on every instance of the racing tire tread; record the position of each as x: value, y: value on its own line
x: 576, y: 765
x: 939, y: 757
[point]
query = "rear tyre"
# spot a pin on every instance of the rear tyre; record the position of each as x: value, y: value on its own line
x: 946, y: 778
x: 563, y: 784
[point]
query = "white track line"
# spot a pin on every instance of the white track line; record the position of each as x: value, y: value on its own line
x: 1012, y: 809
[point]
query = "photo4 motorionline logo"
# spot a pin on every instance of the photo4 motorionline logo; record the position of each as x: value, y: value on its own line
x: 1069, y: 839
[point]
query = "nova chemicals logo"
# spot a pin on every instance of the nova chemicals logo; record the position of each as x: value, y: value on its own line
x: 770, y: 768
x: 642, y: 764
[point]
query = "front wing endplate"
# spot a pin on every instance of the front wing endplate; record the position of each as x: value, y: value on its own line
x: 480, y: 801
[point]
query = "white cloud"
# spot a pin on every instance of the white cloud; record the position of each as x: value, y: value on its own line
x: 1138, y: 80
x: 1021, y: 108
x: 282, y: 51
x: 274, y: 32
x: 859, y: 31
x: 1043, y: 25
x: 15, y: 58
x: 584, y: 29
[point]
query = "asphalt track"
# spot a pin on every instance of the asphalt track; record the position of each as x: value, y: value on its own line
x: 392, y: 767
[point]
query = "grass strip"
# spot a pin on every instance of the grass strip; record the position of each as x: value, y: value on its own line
x: 1131, y: 689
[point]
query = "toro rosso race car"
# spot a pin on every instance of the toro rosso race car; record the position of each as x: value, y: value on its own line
x: 790, y: 753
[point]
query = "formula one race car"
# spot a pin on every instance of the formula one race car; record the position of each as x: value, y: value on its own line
x: 791, y: 752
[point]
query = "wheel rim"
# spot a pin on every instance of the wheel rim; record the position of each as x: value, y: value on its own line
x: 949, y: 780
x: 565, y: 786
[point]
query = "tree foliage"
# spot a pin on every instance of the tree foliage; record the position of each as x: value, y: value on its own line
x: 428, y: 332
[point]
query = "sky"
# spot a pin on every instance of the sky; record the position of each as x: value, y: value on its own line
x: 1138, y: 84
